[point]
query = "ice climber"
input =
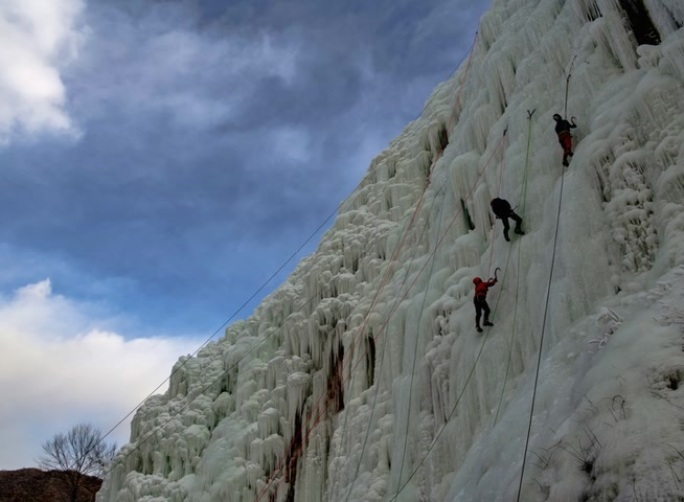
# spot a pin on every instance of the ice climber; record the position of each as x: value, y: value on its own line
x: 480, y: 300
x: 502, y: 209
x: 564, y: 137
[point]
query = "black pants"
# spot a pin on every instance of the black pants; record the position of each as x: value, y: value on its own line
x: 480, y: 307
x: 514, y: 217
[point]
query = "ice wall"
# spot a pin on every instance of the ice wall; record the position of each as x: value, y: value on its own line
x: 363, y: 378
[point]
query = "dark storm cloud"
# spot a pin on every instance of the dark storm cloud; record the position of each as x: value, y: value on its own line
x: 215, y: 137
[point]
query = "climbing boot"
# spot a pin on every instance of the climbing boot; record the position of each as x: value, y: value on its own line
x: 487, y: 323
x: 506, y: 236
x: 479, y: 329
x: 519, y: 231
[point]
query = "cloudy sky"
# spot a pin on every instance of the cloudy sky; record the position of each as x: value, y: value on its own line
x: 161, y: 159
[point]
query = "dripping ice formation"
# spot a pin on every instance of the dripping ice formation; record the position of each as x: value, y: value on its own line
x: 363, y: 378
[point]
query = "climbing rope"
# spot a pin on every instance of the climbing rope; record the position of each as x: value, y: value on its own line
x: 292, y: 256
x: 517, y: 285
x: 389, y: 271
x: 458, y: 398
x: 415, y: 349
x: 472, y: 371
x: 398, y: 302
x: 415, y: 346
x: 567, y: 86
x: 142, y: 440
x: 213, y: 335
x: 320, y: 406
x: 502, y: 165
x: 214, y: 382
x: 221, y: 327
x: 541, y: 339
x: 402, y: 486
x: 438, y: 244
x: 395, y: 305
x: 218, y: 330
x: 492, y: 240
x: 382, y: 363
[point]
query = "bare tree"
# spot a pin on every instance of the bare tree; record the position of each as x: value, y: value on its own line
x: 80, y: 452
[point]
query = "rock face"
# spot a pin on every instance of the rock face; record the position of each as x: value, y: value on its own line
x: 363, y: 378
x: 34, y: 485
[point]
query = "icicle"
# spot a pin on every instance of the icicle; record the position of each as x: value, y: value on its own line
x: 500, y: 79
x: 586, y: 10
x: 437, y: 138
x: 668, y: 15
x: 483, y: 120
x: 292, y: 331
x: 297, y: 390
x: 672, y: 61
x: 613, y: 35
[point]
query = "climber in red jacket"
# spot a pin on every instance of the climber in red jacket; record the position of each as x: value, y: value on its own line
x: 480, y: 301
x: 564, y: 137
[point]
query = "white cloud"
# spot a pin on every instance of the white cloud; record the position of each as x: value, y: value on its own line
x: 37, y: 38
x: 61, y: 365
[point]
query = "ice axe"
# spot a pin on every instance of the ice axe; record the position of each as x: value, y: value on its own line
x: 496, y: 273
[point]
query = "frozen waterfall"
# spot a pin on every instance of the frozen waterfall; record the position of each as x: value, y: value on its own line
x: 362, y: 377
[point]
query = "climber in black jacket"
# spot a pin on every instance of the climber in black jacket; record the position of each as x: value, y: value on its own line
x: 502, y: 209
